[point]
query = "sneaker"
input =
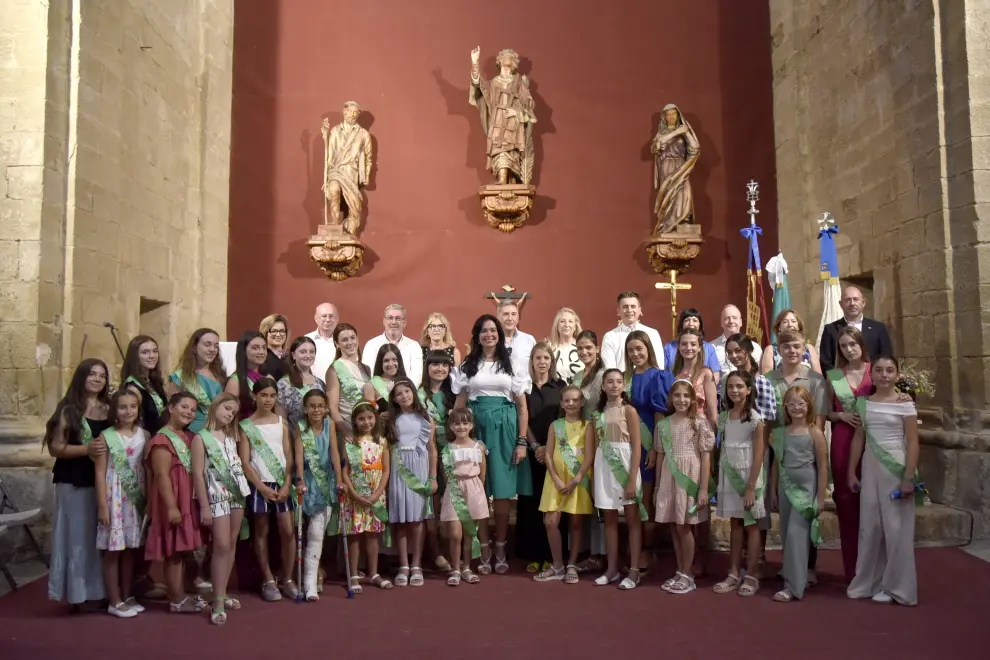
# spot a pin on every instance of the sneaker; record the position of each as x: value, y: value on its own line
x: 133, y: 605
x: 882, y: 597
x: 121, y: 611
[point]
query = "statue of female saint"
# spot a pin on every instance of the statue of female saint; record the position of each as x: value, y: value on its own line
x: 675, y: 153
x: 506, y: 109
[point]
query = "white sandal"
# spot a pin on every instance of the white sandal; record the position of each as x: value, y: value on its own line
x: 628, y: 583
x: 485, y: 565
x: 605, y: 579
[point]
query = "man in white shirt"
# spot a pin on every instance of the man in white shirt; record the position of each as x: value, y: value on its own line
x: 614, y: 343
x: 409, y: 349
x: 326, y: 318
x: 731, y: 324
x: 519, y: 343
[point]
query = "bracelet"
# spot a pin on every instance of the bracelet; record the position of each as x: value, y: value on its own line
x: 522, y: 442
x: 534, y: 445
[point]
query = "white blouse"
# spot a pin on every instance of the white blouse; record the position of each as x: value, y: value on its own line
x: 886, y: 424
x: 489, y: 382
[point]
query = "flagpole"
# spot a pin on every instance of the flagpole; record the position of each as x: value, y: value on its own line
x: 755, y: 295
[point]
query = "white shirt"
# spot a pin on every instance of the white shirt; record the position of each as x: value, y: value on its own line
x: 522, y: 347
x: 856, y: 324
x: 614, y: 345
x: 325, y: 352
x: 723, y: 361
x: 490, y: 382
x: 409, y: 349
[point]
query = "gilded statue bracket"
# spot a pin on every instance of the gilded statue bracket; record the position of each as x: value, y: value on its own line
x: 339, y: 254
x: 674, y: 251
x: 506, y: 206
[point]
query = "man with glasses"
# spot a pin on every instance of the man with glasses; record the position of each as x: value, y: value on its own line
x: 409, y: 349
x: 326, y: 318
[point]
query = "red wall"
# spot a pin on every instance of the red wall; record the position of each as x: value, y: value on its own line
x: 599, y: 77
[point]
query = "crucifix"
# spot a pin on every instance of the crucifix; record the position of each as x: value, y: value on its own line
x: 673, y: 286
x: 508, y: 293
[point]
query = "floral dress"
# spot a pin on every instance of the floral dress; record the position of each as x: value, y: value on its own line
x: 221, y: 499
x: 291, y: 398
x: 355, y: 518
x: 126, y: 521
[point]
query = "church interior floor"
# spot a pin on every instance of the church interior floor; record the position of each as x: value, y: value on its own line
x: 511, y: 616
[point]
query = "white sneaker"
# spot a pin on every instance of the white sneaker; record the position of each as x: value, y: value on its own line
x: 882, y: 597
x: 133, y: 605
x: 121, y: 611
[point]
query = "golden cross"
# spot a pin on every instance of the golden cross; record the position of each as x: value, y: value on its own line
x: 673, y: 287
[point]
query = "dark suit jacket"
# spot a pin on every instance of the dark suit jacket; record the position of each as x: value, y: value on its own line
x: 874, y: 333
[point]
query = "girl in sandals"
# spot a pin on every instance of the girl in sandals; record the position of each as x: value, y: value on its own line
x: 683, y: 466
x: 464, y: 507
x: 740, y: 484
x: 218, y: 477
x: 618, y: 485
x: 567, y: 487
x: 173, y: 525
x: 412, y: 479
x: 365, y: 473
x: 798, y: 479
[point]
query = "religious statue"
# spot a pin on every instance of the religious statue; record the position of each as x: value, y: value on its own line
x: 506, y: 109
x: 675, y: 151
x: 676, y: 240
x: 346, y: 170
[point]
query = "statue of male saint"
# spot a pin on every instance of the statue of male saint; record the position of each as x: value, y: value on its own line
x: 675, y: 151
x: 347, y: 168
x: 506, y: 109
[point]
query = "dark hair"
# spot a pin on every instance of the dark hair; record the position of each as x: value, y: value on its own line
x: 901, y: 385
x: 394, y: 409
x: 174, y: 400
x: 439, y: 357
x: 187, y: 361
x: 472, y: 362
x: 72, y: 407
x: 857, y: 336
x: 627, y: 294
x: 359, y: 408
x: 745, y: 343
x: 294, y: 373
x: 244, y: 388
x: 461, y: 415
x: 313, y: 394
x: 687, y: 313
x: 749, y: 405
x: 385, y: 350
x: 151, y: 381
x: 651, y: 356
x: 340, y: 328
x: 264, y: 383
x: 603, y: 397
x: 115, y: 398
x: 589, y: 374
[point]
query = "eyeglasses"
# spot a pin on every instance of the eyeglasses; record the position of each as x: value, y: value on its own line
x: 396, y: 319
x: 273, y: 331
x: 436, y: 326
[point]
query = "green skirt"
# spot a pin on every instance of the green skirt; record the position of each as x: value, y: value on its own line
x: 496, y: 425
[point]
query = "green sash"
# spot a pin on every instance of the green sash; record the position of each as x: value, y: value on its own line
x: 158, y: 401
x: 802, y: 503
x: 457, y: 502
x: 735, y: 479
x: 615, y: 464
x: 265, y: 452
x: 85, y: 433
x: 411, y: 481
x: 349, y: 386
x: 312, y: 456
x: 682, y: 481
x: 567, y: 454
x: 577, y: 378
x: 436, y: 412
x: 128, y: 480
x: 194, y: 388
x: 380, y: 387
x: 180, y: 447
x: 219, y: 462
x: 837, y: 378
x: 360, y: 481
x: 885, y: 458
x: 780, y: 389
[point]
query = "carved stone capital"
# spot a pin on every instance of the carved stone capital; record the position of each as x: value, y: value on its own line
x: 338, y: 254
x: 674, y: 251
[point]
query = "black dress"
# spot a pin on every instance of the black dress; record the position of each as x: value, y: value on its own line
x: 273, y: 367
x: 151, y: 416
x: 543, y: 405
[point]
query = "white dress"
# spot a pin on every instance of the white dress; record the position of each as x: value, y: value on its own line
x: 608, y: 491
x: 737, y: 448
x: 885, y: 561
x: 272, y: 435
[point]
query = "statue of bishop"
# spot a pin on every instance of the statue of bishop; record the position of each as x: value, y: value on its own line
x: 347, y: 169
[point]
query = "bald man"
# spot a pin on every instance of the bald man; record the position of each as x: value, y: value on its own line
x: 874, y: 332
x: 731, y: 324
x: 326, y: 318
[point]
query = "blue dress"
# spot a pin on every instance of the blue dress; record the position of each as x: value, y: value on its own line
x: 648, y: 395
x: 711, y: 357
x: 405, y: 506
x: 314, y: 501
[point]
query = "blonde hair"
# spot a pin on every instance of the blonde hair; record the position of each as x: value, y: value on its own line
x: 266, y: 325
x: 448, y: 336
x: 543, y: 346
x: 230, y: 430
x: 555, y: 333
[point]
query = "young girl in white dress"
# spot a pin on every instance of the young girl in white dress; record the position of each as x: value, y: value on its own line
x: 740, y: 483
x: 618, y: 485
x: 218, y: 478
x: 120, y: 496
x: 885, y: 568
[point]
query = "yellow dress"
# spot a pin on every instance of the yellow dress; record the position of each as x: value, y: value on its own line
x: 579, y: 499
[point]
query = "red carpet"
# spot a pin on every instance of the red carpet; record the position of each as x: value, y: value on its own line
x: 513, y: 617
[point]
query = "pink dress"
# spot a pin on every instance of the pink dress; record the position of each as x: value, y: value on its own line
x: 164, y: 540
x: 689, y: 439
x: 467, y: 471
x: 699, y: 389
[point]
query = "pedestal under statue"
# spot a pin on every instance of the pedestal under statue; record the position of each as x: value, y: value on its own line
x: 507, y: 116
x: 347, y: 162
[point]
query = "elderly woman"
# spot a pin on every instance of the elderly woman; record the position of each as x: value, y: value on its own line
x: 563, y: 343
x: 437, y: 336
x: 275, y: 329
x: 789, y: 321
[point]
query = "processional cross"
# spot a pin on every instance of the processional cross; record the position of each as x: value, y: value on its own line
x: 673, y: 286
